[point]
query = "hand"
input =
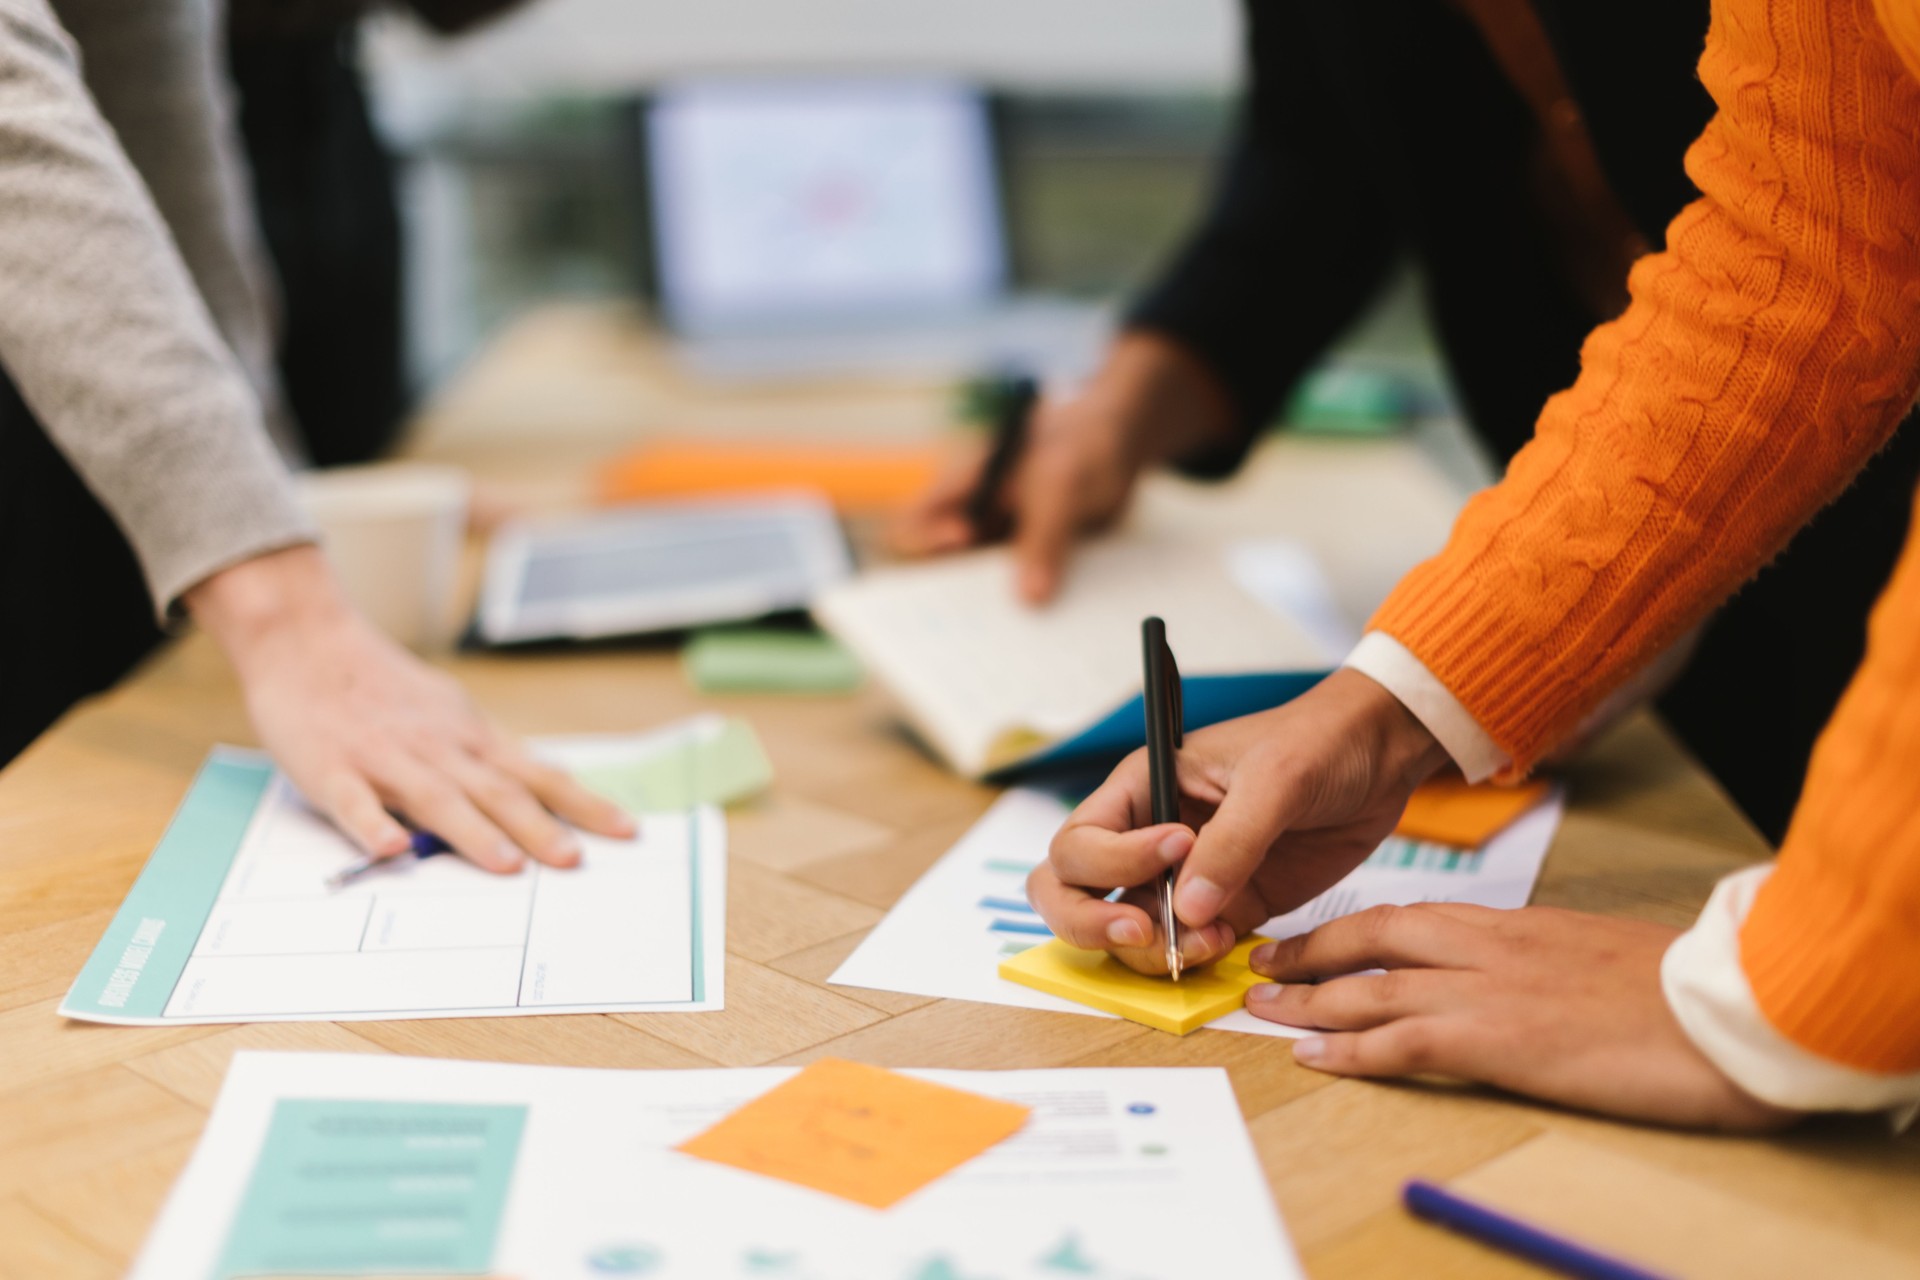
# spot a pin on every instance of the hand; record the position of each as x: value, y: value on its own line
x: 1558, y: 1005
x: 1148, y: 403
x: 1285, y: 803
x: 362, y: 727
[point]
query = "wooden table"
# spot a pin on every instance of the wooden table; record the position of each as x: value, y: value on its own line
x: 95, y: 1122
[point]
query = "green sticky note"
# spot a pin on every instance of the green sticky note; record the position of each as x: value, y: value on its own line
x: 352, y: 1187
x: 762, y: 660
x: 1348, y: 401
x: 719, y: 768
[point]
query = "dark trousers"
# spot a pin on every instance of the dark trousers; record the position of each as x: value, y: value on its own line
x: 77, y: 615
x: 325, y: 189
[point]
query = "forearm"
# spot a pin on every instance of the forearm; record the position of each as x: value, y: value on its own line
x: 1293, y: 245
x: 1767, y: 354
x: 110, y: 344
x: 1164, y: 402
x: 1832, y: 947
x: 156, y: 72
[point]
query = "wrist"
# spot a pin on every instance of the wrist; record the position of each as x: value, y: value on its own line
x: 1168, y: 402
x: 245, y: 606
x: 1403, y: 745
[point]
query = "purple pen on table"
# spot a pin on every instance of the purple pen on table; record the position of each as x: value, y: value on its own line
x: 1442, y: 1207
x: 424, y: 844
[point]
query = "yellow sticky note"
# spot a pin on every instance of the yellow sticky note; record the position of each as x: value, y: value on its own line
x: 1465, y: 815
x: 1096, y: 979
x: 867, y: 1135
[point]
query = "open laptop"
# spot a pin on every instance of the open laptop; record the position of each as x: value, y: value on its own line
x: 818, y: 226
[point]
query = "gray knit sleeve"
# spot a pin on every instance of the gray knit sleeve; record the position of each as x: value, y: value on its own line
x: 105, y: 334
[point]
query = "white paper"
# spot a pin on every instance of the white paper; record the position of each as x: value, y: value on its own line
x: 1284, y: 576
x: 638, y: 926
x: 1128, y: 1174
x: 948, y: 934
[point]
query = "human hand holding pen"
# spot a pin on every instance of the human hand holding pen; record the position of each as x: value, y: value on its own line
x: 1284, y: 803
x: 1083, y: 453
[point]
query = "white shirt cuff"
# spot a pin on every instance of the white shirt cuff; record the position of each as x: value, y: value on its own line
x: 1708, y: 992
x: 1392, y: 665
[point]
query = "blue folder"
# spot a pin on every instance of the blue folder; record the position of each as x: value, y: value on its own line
x: 1205, y: 699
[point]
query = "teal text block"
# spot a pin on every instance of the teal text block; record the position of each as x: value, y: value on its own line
x: 345, y: 1187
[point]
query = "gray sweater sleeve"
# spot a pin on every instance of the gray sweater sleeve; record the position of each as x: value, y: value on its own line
x: 156, y: 73
x: 107, y: 338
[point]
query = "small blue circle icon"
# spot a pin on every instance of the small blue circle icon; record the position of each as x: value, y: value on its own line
x: 1141, y: 1108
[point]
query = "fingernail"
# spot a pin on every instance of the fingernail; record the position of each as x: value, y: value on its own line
x: 1224, y: 937
x: 1309, y: 1051
x: 1261, y: 957
x: 565, y: 847
x: 1126, y: 933
x: 1176, y: 845
x: 1264, y: 993
x: 511, y: 859
x: 628, y: 827
x: 1200, y: 900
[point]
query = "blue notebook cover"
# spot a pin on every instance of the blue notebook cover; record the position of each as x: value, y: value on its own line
x: 1205, y: 699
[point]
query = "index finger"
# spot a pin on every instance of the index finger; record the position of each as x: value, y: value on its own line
x: 1233, y: 843
x: 1048, y: 519
x: 561, y: 793
x: 1377, y: 938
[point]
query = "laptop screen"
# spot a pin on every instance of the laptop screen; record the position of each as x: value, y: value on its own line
x: 781, y: 202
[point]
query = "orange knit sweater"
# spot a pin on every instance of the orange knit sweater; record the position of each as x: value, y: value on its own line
x: 1767, y: 353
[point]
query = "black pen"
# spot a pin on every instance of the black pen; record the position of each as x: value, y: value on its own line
x: 985, y: 511
x: 1164, y: 714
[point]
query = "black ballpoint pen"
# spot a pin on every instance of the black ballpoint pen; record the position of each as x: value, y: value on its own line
x: 1164, y: 736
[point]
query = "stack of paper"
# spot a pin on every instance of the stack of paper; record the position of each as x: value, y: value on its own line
x: 316, y: 1164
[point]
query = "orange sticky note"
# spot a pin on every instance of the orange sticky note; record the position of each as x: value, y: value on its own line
x: 854, y: 476
x: 1465, y: 815
x: 850, y: 1130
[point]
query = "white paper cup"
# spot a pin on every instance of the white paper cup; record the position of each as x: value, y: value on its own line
x: 393, y: 531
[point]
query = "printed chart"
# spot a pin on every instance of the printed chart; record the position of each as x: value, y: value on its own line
x: 568, y: 1174
x: 948, y: 934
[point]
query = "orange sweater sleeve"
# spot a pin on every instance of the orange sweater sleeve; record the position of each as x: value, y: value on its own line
x: 1766, y: 354
x: 1831, y: 947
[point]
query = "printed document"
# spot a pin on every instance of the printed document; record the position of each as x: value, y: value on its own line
x: 327, y: 1164
x: 948, y: 934
x: 233, y: 918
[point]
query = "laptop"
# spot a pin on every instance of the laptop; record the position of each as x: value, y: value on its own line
x: 812, y: 226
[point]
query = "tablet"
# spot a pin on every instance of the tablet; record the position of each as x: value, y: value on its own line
x: 658, y: 567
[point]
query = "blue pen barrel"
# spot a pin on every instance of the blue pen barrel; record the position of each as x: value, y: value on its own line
x: 1443, y: 1208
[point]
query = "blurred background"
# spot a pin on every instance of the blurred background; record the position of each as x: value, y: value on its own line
x: 514, y: 150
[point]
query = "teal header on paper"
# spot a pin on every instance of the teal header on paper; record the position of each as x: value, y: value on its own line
x: 133, y: 970
x: 354, y: 1187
